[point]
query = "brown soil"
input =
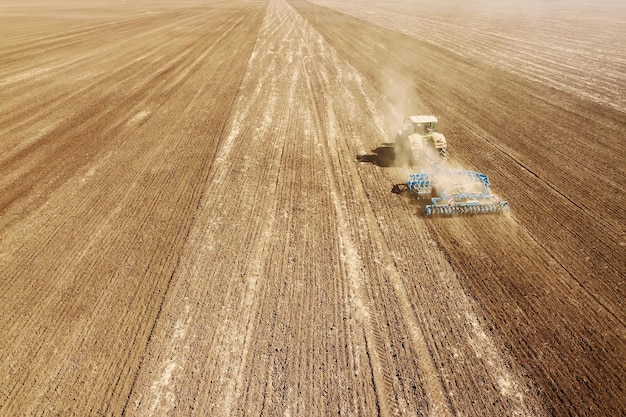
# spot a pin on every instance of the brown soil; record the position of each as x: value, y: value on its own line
x: 186, y: 228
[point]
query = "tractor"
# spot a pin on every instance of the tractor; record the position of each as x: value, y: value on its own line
x: 418, y: 142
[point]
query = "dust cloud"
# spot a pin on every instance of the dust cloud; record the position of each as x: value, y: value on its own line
x: 422, y: 155
x: 402, y: 103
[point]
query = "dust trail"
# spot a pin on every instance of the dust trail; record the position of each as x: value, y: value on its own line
x: 415, y: 150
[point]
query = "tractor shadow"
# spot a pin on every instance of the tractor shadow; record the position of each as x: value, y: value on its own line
x: 382, y: 156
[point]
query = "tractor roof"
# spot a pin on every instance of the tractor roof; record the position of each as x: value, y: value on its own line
x: 424, y: 119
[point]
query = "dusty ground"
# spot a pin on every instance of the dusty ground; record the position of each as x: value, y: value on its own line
x: 185, y: 228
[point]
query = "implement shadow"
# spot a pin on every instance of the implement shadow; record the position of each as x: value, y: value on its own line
x: 382, y: 156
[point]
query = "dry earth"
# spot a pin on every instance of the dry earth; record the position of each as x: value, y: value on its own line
x: 185, y: 228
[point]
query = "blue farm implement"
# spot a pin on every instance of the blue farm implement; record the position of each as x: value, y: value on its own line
x: 453, y: 192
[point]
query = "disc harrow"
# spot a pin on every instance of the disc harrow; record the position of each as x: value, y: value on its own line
x: 454, y: 192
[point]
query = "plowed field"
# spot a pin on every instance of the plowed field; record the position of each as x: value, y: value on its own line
x: 188, y: 226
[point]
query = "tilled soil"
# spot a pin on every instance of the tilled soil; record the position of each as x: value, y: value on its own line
x: 186, y: 228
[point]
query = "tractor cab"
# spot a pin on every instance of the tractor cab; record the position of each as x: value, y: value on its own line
x: 423, y: 125
x: 418, y: 133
